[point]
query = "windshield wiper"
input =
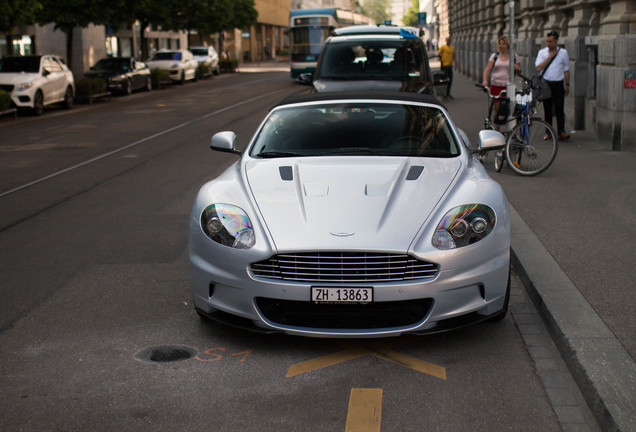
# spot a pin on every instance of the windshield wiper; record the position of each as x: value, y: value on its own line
x: 277, y: 154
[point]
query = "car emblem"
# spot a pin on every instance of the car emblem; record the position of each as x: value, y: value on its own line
x: 341, y: 234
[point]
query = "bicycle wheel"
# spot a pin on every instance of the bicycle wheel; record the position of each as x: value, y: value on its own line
x: 531, y: 148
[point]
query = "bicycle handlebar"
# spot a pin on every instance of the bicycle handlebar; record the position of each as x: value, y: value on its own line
x: 486, y: 89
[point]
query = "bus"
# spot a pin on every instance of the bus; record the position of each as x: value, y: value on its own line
x: 309, y: 28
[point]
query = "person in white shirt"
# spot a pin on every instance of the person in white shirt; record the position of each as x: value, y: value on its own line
x: 554, y: 62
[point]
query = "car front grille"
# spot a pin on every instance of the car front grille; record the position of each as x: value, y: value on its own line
x: 6, y: 87
x: 344, y: 267
x: 376, y: 315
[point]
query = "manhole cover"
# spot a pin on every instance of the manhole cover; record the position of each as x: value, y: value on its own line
x: 166, y: 353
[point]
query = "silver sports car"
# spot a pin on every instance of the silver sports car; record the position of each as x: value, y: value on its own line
x: 352, y: 215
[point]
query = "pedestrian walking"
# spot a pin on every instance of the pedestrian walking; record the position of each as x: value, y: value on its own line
x: 448, y: 58
x: 497, y: 72
x: 554, y: 62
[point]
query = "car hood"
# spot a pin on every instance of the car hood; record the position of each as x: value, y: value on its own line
x: 328, y: 85
x: 16, y: 78
x: 348, y: 202
x: 162, y: 64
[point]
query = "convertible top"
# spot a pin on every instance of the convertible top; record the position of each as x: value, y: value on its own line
x: 349, y: 95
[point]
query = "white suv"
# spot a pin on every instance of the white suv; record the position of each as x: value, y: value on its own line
x: 37, y: 81
x: 180, y: 63
x: 208, y: 56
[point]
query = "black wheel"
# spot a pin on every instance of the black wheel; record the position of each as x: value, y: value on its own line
x: 182, y: 78
x: 499, y: 160
x: 128, y: 88
x: 68, y: 98
x: 531, y: 148
x: 148, y: 84
x: 38, y: 103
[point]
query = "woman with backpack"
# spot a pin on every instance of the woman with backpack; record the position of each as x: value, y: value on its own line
x: 497, y: 72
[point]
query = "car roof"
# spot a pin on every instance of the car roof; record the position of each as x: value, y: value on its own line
x: 367, y: 95
x: 373, y: 30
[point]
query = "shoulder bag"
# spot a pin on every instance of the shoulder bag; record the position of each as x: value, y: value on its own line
x: 542, y: 90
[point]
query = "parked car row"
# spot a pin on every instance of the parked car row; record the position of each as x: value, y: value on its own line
x: 34, y: 82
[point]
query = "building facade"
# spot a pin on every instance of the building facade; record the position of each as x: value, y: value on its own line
x: 600, y: 40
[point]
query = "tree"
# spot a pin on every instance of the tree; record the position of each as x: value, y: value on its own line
x: 410, y: 19
x: 69, y: 14
x: 15, y: 13
x: 377, y: 9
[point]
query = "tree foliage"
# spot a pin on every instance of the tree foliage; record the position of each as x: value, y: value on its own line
x: 410, y: 19
x: 377, y: 9
x: 15, y: 13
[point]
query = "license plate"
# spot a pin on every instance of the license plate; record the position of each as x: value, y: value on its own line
x: 341, y: 295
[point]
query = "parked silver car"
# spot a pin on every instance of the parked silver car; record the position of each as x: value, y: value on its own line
x: 208, y: 57
x: 352, y: 215
x: 37, y: 81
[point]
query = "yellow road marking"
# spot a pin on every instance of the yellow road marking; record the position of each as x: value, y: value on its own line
x: 324, y: 361
x: 378, y: 349
x: 413, y: 363
x: 365, y: 410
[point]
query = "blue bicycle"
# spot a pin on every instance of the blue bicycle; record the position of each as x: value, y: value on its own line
x: 531, y: 145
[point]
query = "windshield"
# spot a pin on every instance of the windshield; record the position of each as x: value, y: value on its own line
x: 346, y: 129
x: 167, y: 56
x: 20, y: 64
x: 371, y: 59
x: 118, y: 64
x: 199, y: 51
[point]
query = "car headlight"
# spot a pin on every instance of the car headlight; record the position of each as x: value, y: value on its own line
x: 25, y: 86
x: 228, y: 225
x: 464, y: 225
x: 175, y: 66
x: 117, y: 78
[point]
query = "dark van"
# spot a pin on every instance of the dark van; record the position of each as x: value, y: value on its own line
x: 374, y: 58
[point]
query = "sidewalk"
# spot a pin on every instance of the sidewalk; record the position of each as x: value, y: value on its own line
x: 264, y: 66
x: 573, y: 242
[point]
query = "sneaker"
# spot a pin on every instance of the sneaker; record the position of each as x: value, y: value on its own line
x: 546, y: 137
x: 515, y: 163
x: 450, y: 97
x: 564, y: 136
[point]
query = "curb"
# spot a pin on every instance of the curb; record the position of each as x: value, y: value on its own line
x: 600, y: 365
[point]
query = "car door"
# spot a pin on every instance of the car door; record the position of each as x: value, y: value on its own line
x: 50, y: 72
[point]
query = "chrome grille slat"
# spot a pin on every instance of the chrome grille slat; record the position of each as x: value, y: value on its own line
x: 344, y: 267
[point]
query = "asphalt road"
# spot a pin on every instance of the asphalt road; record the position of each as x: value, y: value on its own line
x: 94, y: 205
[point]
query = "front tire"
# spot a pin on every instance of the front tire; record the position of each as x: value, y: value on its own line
x: 38, y: 103
x: 531, y: 148
x: 68, y: 98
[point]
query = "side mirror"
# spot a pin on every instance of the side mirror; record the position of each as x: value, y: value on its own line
x: 491, y: 140
x: 45, y: 72
x: 224, y: 142
x: 306, y: 78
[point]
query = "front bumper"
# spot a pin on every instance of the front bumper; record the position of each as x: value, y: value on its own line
x: 458, y: 296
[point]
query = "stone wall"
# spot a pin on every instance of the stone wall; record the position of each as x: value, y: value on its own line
x: 600, y: 40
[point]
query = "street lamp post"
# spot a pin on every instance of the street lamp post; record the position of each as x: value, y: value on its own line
x: 511, y: 89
